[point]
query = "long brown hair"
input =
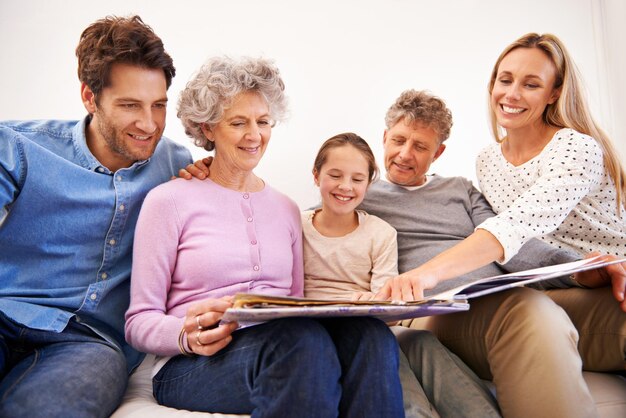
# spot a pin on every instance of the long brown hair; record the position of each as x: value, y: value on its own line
x: 571, y: 109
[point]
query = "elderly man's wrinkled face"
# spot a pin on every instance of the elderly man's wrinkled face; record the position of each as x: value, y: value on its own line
x: 410, y: 149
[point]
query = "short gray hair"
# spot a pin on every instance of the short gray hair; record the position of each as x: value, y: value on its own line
x: 211, y: 91
x: 419, y: 106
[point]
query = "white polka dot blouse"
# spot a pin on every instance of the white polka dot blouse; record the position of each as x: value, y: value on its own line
x: 563, y: 196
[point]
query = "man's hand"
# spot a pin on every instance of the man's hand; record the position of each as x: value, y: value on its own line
x: 205, y: 335
x: 407, y: 286
x: 199, y: 169
x: 613, y: 275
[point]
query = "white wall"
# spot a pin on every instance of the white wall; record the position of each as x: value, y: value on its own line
x: 610, y: 35
x: 344, y: 62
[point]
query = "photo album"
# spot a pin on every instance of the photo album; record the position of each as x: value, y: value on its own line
x: 250, y: 308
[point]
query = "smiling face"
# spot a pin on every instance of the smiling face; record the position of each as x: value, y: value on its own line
x: 343, y: 180
x: 523, y: 87
x: 128, y: 115
x: 242, y: 135
x: 410, y: 149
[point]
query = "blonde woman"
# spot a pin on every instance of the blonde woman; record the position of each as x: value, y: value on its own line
x: 551, y: 158
x: 554, y: 174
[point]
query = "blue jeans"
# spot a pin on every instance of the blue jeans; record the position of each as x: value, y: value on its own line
x: 74, y: 373
x: 293, y: 367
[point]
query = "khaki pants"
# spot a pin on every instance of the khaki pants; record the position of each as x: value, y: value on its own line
x: 601, y: 326
x: 528, y: 345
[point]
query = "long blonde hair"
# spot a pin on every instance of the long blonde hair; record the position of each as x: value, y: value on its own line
x: 571, y: 109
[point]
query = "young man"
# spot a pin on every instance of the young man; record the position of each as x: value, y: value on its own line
x: 70, y: 194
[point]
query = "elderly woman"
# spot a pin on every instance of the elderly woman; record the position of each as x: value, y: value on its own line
x: 198, y: 242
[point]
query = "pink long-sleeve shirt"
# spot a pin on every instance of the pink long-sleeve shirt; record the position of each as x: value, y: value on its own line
x: 197, y: 240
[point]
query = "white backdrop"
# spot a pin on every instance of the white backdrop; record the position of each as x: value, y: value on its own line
x: 344, y: 62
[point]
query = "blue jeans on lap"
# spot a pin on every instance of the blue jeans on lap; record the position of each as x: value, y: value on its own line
x: 293, y: 367
x: 74, y: 373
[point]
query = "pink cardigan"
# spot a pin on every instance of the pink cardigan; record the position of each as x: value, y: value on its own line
x: 196, y: 240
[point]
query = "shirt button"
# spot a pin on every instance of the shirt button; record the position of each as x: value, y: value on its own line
x: 246, y: 195
x: 104, y: 275
x: 250, y: 219
x: 100, y: 169
x: 93, y: 296
x: 112, y: 242
x: 122, y: 207
x: 256, y: 268
x: 253, y: 242
x: 119, y: 178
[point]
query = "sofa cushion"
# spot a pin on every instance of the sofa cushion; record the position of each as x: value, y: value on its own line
x: 608, y: 391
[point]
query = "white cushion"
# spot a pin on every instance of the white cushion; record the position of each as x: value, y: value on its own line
x: 608, y: 391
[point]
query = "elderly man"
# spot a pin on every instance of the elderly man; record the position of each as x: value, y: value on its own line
x: 519, y: 338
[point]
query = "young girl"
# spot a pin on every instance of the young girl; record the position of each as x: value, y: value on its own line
x: 349, y: 254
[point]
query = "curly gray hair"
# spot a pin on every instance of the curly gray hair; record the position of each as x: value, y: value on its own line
x: 421, y: 107
x: 212, y: 89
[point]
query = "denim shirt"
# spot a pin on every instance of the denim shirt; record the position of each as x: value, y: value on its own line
x: 67, y: 226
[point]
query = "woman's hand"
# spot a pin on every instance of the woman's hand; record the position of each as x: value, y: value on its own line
x: 613, y: 275
x: 205, y: 335
x: 199, y: 169
x: 477, y: 250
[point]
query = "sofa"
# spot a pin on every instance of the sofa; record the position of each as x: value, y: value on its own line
x: 608, y: 390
